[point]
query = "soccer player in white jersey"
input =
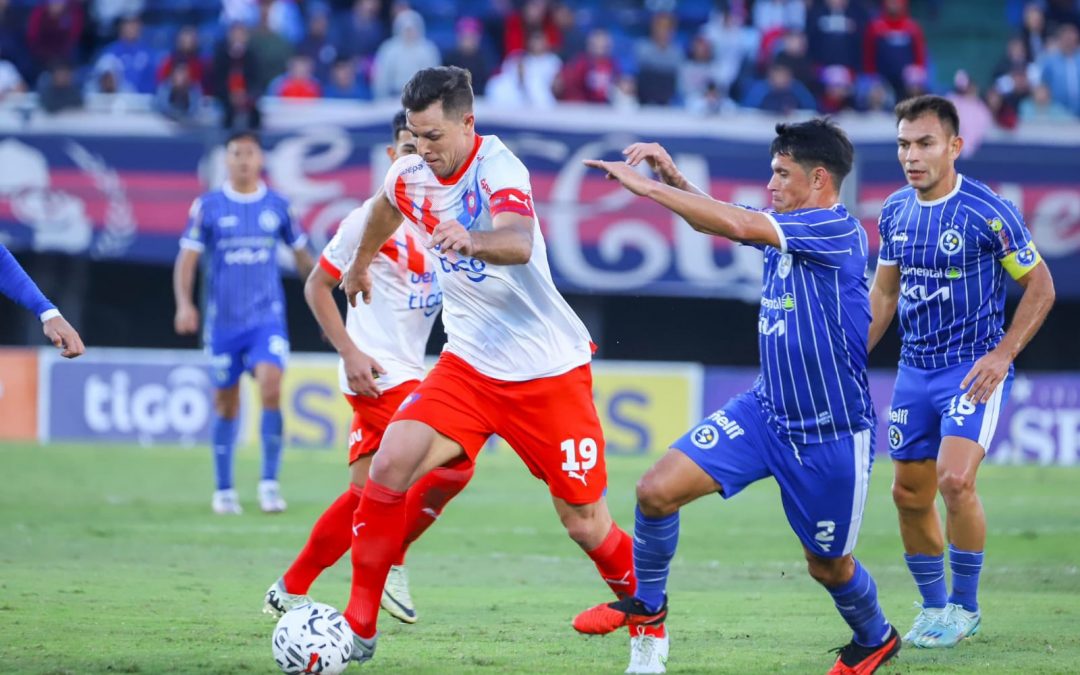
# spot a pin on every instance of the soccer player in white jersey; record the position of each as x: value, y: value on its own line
x: 947, y: 244
x: 517, y: 359
x: 381, y: 345
x: 807, y: 422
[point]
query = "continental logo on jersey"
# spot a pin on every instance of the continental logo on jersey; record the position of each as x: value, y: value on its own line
x: 1020, y: 262
x: 951, y: 241
x: 513, y: 201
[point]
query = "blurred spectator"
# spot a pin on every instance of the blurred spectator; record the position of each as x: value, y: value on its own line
x: 873, y: 95
x: 779, y: 15
x: 1041, y: 107
x: 1060, y: 68
x: 975, y: 116
x: 780, y: 93
x: 700, y: 76
x: 893, y: 42
x: 317, y: 43
x: 11, y: 82
x: 838, y: 93
x: 57, y: 89
x: 712, y: 101
x: 834, y: 33
x: 468, y: 52
x: 658, y: 60
x: 234, y: 79
x: 526, y: 80
x: 53, y: 30
x: 1061, y: 13
x: 12, y: 30
x: 732, y: 43
x: 569, y: 31
x: 285, y: 19
x: 1015, y: 56
x: 272, y: 51
x: 1006, y: 95
x: 535, y: 15
x: 363, y: 32
x: 137, y: 60
x: 179, y: 95
x: 108, y: 77
x: 793, y: 55
x: 401, y: 56
x: 1033, y: 31
x: 592, y: 75
x: 107, y: 13
x: 345, y: 82
x: 916, y: 82
x: 298, y: 81
x: 239, y: 11
x: 187, y: 52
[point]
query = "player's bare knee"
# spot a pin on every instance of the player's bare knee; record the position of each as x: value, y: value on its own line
x: 227, y: 403
x: 956, y: 486
x: 830, y: 572
x: 586, y: 530
x: 653, y: 499
x: 909, y: 499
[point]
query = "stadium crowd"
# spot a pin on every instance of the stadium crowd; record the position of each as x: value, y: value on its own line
x: 704, y: 55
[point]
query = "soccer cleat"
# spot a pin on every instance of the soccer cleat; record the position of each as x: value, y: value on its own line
x: 226, y: 503
x: 279, y: 601
x: 363, y: 650
x: 855, y: 659
x: 396, y: 599
x: 648, y: 650
x: 954, y: 624
x: 270, y: 500
x: 630, y: 611
x: 924, y: 620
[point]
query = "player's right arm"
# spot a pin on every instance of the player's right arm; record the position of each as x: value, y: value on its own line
x: 383, y: 220
x: 662, y: 165
x: 192, y: 244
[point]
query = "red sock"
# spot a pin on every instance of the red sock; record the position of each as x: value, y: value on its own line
x: 379, y: 530
x: 329, y: 540
x: 614, y: 558
x: 426, y: 498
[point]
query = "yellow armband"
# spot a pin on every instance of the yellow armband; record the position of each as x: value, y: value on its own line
x: 1020, y: 262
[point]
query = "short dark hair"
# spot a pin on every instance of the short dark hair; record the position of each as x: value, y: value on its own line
x: 449, y: 84
x: 399, y: 124
x: 913, y: 108
x: 243, y: 134
x: 817, y: 142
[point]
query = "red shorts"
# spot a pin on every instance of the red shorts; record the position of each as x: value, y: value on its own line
x: 550, y: 422
x: 371, y: 416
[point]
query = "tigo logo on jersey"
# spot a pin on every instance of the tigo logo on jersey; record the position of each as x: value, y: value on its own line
x: 784, y: 268
x: 951, y: 241
x: 704, y: 436
x: 896, y: 437
x: 269, y: 221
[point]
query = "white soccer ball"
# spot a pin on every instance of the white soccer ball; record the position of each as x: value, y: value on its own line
x: 312, y: 638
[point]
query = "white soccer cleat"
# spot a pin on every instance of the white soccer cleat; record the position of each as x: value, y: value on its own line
x: 396, y: 599
x: 270, y: 500
x: 363, y: 650
x: 279, y: 601
x: 226, y: 503
x: 648, y: 653
x: 954, y: 625
x: 923, y: 621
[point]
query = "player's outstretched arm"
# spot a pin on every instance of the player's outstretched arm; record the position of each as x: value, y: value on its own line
x: 382, y: 222
x: 1034, y: 305
x: 16, y: 284
x: 884, y: 295
x: 360, y: 369
x: 186, y: 321
x: 662, y: 165
x: 704, y: 213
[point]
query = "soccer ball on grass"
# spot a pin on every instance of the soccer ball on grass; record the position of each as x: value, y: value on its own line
x: 312, y: 638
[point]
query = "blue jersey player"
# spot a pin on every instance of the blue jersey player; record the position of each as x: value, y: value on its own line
x: 807, y: 422
x: 947, y: 244
x: 238, y: 228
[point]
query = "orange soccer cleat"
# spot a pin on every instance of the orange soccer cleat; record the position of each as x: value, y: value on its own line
x: 608, y: 617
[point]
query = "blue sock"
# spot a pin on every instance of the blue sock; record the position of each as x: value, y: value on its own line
x: 655, y: 540
x: 965, y: 566
x: 271, y: 443
x: 223, y: 437
x: 857, y: 602
x: 929, y: 573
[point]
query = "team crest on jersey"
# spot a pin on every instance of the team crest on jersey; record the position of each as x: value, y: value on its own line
x: 784, y: 268
x: 1025, y: 256
x: 704, y: 436
x: 951, y: 241
x: 896, y: 437
x: 269, y: 221
x: 995, y: 224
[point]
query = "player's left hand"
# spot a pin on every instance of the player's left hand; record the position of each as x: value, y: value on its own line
x: 985, y: 376
x: 61, y: 334
x: 624, y: 173
x: 450, y: 235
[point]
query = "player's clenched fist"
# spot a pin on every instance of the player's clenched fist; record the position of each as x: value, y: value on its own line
x: 450, y: 235
x: 357, y: 281
x: 186, y: 321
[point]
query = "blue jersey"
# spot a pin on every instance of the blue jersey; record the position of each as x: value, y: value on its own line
x: 813, y: 326
x: 953, y: 255
x: 239, y: 234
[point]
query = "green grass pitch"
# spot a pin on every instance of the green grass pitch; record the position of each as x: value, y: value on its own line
x: 111, y: 561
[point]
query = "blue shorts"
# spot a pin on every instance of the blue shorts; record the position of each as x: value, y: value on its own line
x: 233, y: 352
x: 928, y: 405
x: 822, y: 485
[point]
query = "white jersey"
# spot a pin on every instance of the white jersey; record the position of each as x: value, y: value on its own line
x: 506, y: 321
x: 405, y: 300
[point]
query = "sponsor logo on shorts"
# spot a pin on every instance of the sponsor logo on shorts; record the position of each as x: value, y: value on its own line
x: 409, y: 400
x: 898, y: 416
x: 896, y: 437
x: 726, y: 424
x: 704, y: 436
x: 355, y: 436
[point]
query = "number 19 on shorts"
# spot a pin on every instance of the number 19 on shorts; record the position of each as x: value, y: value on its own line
x: 578, y: 457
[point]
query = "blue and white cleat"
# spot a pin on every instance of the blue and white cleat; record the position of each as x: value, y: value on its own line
x: 926, y: 618
x: 363, y: 650
x: 954, y: 625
